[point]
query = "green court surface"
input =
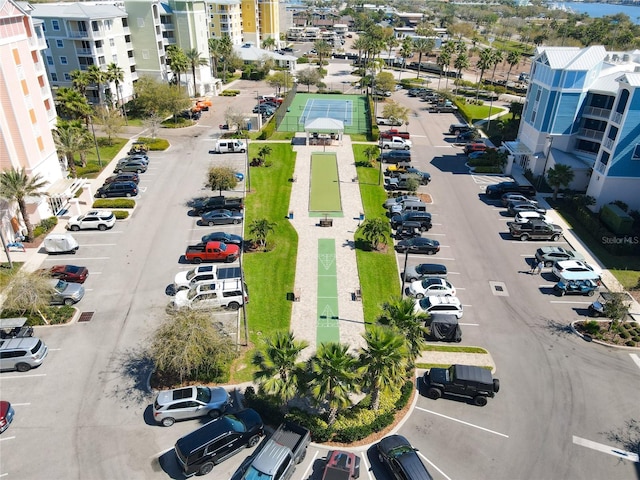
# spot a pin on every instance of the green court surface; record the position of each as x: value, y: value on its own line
x: 328, y: 329
x: 324, y: 194
x: 305, y: 107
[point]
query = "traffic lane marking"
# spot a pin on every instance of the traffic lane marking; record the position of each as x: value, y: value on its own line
x: 434, y: 466
x: 616, y: 452
x: 463, y: 422
x: 635, y: 358
x: 306, y: 472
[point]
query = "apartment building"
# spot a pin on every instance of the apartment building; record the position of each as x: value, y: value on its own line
x: 225, y: 19
x: 80, y: 35
x: 28, y: 113
x: 260, y: 20
x: 583, y: 109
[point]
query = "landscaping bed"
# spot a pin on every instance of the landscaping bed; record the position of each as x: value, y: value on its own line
x: 614, y: 333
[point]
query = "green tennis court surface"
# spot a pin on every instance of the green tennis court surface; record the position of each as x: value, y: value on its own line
x: 305, y: 107
x: 328, y: 328
x: 324, y: 194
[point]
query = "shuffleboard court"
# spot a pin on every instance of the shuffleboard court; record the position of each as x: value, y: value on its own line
x: 324, y: 194
x: 328, y: 328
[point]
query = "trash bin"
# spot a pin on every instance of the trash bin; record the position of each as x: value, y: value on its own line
x: 291, y: 215
x: 361, y: 216
x: 248, y: 125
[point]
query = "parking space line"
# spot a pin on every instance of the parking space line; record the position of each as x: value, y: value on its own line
x: 367, y: 468
x: 434, y: 466
x: 465, y: 305
x: 3, y: 474
x: 469, y: 324
x: 24, y: 376
x: 606, y: 449
x: 20, y: 404
x: 452, y: 273
x: 446, y: 258
x: 547, y: 286
x: 305, y: 475
x: 6, y: 438
x: 98, y: 245
x: 635, y: 358
x: 463, y: 422
x: 437, y: 234
x: 569, y: 301
x: 76, y: 258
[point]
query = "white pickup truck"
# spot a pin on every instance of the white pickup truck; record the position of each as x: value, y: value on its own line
x: 396, y: 143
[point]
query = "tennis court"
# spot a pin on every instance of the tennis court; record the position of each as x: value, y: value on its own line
x: 305, y: 107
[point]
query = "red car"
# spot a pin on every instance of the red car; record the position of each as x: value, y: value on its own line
x: 6, y: 415
x: 69, y: 273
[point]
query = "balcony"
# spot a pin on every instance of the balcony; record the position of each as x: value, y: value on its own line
x: 591, y: 134
x: 608, y: 143
x: 167, y: 26
x: 616, y: 117
x: 597, y: 112
x: 601, y: 167
x: 83, y: 51
x: 126, y: 30
x: 78, y: 34
x: 132, y: 60
x: 99, y: 50
x: 168, y: 41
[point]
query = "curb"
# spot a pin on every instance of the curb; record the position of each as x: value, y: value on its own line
x: 590, y: 339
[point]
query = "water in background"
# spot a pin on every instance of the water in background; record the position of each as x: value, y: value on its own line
x: 597, y: 10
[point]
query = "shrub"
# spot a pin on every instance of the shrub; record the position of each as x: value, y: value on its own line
x: 78, y: 193
x: 320, y: 431
x: 493, y: 169
x: 302, y: 60
x: 591, y: 327
x: 45, y: 226
x: 55, y: 315
x: 405, y: 394
x: 230, y: 93
x: 114, y: 203
x: 121, y: 214
x: 268, y: 129
x: 636, y: 338
x: 155, y: 144
x: 624, y: 335
x: 630, y: 343
x: 268, y: 408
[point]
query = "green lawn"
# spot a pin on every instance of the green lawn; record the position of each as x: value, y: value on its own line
x: 325, y: 188
x: 474, y: 113
x: 378, y: 271
x: 270, y: 275
x: 107, y: 153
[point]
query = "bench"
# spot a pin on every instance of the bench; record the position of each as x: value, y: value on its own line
x: 357, y: 295
x: 326, y: 222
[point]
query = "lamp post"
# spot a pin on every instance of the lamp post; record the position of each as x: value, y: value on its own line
x: 95, y: 141
x: 546, y: 159
x: 404, y: 272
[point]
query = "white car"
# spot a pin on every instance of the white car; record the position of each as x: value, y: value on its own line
x: 524, y: 217
x: 576, y: 270
x: 433, y: 286
x: 229, y: 294
x: 93, y: 219
x: 446, y: 305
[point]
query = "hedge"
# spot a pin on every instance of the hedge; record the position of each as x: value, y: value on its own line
x: 230, y: 93
x: 268, y: 129
x: 114, y: 203
x: 155, y: 144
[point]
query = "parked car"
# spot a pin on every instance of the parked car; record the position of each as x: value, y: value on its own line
x: 466, y: 381
x: 408, y: 230
x: 597, y: 308
x: 118, y: 189
x: 395, y: 156
x: 498, y: 189
x: 431, y: 286
x: 397, y: 454
x: 424, y: 177
x: 123, y: 177
x: 135, y: 156
x: 418, y: 245
x: 65, y: 293
x: 524, y: 217
x: 221, y: 217
x: 467, y: 136
x: 228, y: 238
x: 22, y: 353
x: 444, y: 305
x: 475, y: 146
x: 93, y: 219
x: 476, y: 155
x: 458, y: 128
x: 576, y: 270
x: 550, y: 255
x: 507, y: 198
x: 138, y: 166
x: 6, y: 415
x: 189, y: 402
x: 514, y: 208
x: 423, y: 270
x: 69, y: 273
x: 400, y: 200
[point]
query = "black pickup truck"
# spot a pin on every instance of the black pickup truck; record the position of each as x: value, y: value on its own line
x: 203, y: 205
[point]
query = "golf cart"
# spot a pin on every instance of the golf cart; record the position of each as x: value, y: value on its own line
x: 138, y: 147
x: 596, y: 309
x: 408, y: 230
x: 14, y: 328
x: 577, y: 287
x: 444, y: 327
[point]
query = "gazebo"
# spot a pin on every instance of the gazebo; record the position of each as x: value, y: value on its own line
x: 324, y: 130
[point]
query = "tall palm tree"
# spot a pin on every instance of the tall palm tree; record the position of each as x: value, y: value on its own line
x: 70, y: 103
x: 406, y: 51
x: 485, y: 62
x: 269, y: 43
x: 400, y: 314
x: 260, y: 229
x: 375, y: 231
x: 178, y: 62
x: 214, y: 54
x: 496, y: 58
x: 96, y: 77
x: 71, y: 138
x: 422, y: 46
x: 513, y: 59
x: 277, y: 372
x: 334, y: 376
x: 559, y: 176
x: 226, y: 47
x: 16, y: 185
x: 195, y: 60
x: 461, y: 62
x: 384, y: 360
x: 446, y: 52
x: 324, y: 51
x: 115, y: 74
x: 79, y: 81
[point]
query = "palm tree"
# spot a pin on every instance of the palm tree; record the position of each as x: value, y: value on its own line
x: 371, y: 151
x: 484, y: 63
x: 324, y: 50
x: 334, y: 376
x: 194, y: 59
x: 422, y: 46
x: 269, y: 43
x: 447, y: 52
x: 461, y: 62
x: 226, y: 47
x: 260, y: 229
x: 214, y: 54
x: 384, y: 361
x: 400, y: 314
x: 115, y: 74
x: 178, y: 62
x: 496, y: 58
x: 96, y: 77
x: 277, y: 372
x: 71, y: 138
x: 513, y: 59
x: 559, y: 176
x: 263, y: 153
x: 16, y: 185
x: 375, y: 231
x: 406, y: 51
x: 79, y: 80
x: 72, y: 104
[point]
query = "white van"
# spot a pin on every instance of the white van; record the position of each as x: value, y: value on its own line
x: 229, y: 145
x: 60, y: 243
x: 229, y: 294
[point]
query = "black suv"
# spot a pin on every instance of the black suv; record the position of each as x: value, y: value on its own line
x: 395, y: 156
x: 423, y: 218
x: 499, y: 189
x: 118, y: 189
x: 458, y: 128
x: 401, y: 459
x: 461, y: 380
x: 199, y: 451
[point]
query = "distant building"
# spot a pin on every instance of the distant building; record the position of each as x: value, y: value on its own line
x: 225, y: 19
x: 250, y: 54
x: 260, y: 20
x: 583, y: 109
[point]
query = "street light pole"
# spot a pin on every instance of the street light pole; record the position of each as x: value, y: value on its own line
x: 404, y: 272
x: 95, y: 141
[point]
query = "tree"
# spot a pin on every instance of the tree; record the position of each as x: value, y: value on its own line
x: 71, y: 138
x: 446, y: 55
x: 461, y: 62
x: 233, y: 117
x: 195, y: 60
x: 334, y: 375
x: 115, y: 74
x: 384, y: 361
x: 513, y: 59
x: 214, y: 54
x: 324, y: 51
x: 515, y: 108
x: 406, y: 51
x: 400, y: 314
x: 385, y: 82
x: 71, y: 104
x: 96, y: 77
x: 422, y: 46
x: 375, y: 231
x: 29, y: 293
x: 496, y: 57
x: 260, y: 229
x: 174, y: 100
x: 559, y: 176
x: 79, y: 81
x: 263, y: 152
x: 269, y: 43
x: 616, y: 308
x: 308, y: 76
x: 279, y: 80
x: 277, y: 372
x: 153, y: 123
x: 393, y: 109
x: 226, y: 48
x: 111, y: 122
x: 221, y: 178
x: 178, y: 63
x: 16, y: 186
x: 485, y: 61
x: 371, y: 151
x: 188, y: 345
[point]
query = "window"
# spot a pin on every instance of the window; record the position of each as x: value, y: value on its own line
x: 49, y: 60
x: 59, y: 44
x: 63, y: 60
x: 604, y: 159
x: 613, y: 133
x: 114, y: 58
x: 636, y: 152
x: 67, y: 77
x: 622, y: 103
x: 94, y: 26
x: 112, y: 42
x: 538, y: 96
x: 47, y: 42
x: 55, y: 24
x: 54, y: 77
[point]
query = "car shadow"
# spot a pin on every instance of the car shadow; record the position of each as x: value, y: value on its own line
x: 317, y: 469
x: 375, y: 465
x: 490, y: 201
x: 147, y: 415
x: 548, y: 291
x: 168, y: 462
x: 506, y: 236
x: 451, y: 164
x: 183, y: 261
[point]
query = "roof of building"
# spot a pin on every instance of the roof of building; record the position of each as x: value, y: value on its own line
x: 77, y: 11
x: 324, y: 124
x: 632, y: 78
x: 573, y: 58
x: 251, y: 53
x: 606, y: 84
x: 575, y: 162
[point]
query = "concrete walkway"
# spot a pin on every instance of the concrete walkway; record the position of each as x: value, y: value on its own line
x: 305, y: 316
